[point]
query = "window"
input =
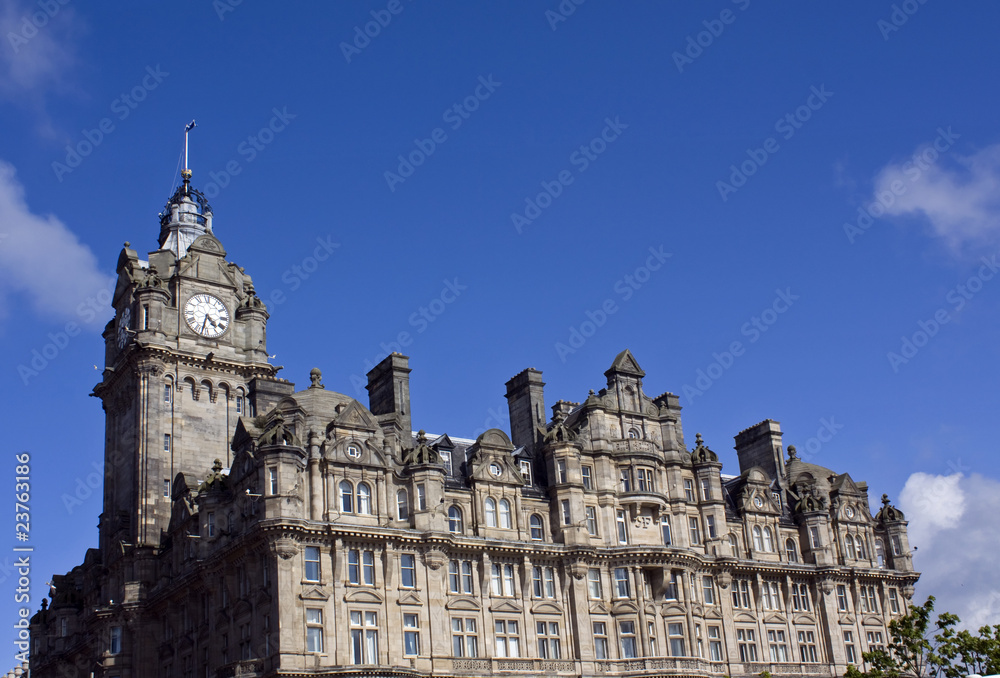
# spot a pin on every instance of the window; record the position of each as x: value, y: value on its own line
x: 526, y: 471
x: 600, y: 640
x: 671, y: 592
x: 166, y: 487
x: 880, y: 552
x: 265, y: 570
x: 800, y: 598
x: 239, y: 404
x: 346, y: 497
x: 814, y: 536
x: 364, y: 637
x: 408, y: 570
x: 503, y: 580
x: 859, y: 548
x: 776, y: 644
x: 272, y: 481
x: 893, y: 601
x: 626, y: 479
x: 508, y: 638
x: 694, y: 589
x: 693, y: 528
x: 708, y: 591
x: 505, y: 514
x: 312, y: 563
x: 842, y: 598
x: 776, y: 496
x: 770, y: 595
x: 537, y: 533
x: 561, y: 470
x: 790, y: 551
x: 402, y: 505
x: 548, y: 639
x: 651, y: 639
x: 622, y: 586
x: 897, y: 546
x: 734, y: 546
x: 411, y: 634
x: 689, y: 490
x: 455, y: 520
x: 646, y: 480
x: 166, y: 393
x: 246, y: 651
x: 421, y: 497
x: 588, y: 483
x: 314, y: 629
x: 714, y: 644
x: 536, y: 580
x: 353, y: 451
x: 665, y: 529
x: 115, y: 646
x: 592, y: 521
x: 166, y: 442
x: 368, y: 567
x: 758, y: 541
x: 849, y: 546
x: 706, y: 489
x: 446, y: 460
x: 807, y: 646
x: 64, y: 627
x: 632, y: 433
x: 768, y: 540
x: 875, y: 641
x: 543, y: 582
x: 211, y: 524
x: 361, y: 567
x: 464, y: 641
x: 852, y: 655
x: 622, y: 527
x: 710, y: 526
x: 675, y: 632
x: 594, y: 583
x: 364, y: 499
x: 491, y: 511
x: 747, y: 644
x: 741, y: 594
x: 508, y: 580
x: 869, y: 599
x: 626, y: 633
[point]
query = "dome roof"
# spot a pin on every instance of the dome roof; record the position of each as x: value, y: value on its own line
x: 185, y: 217
x: 889, y: 513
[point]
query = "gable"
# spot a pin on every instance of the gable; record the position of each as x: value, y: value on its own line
x: 410, y: 598
x: 314, y: 593
x: 505, y: 606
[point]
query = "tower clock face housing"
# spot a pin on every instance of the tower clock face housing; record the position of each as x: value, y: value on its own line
x: 207, y: 315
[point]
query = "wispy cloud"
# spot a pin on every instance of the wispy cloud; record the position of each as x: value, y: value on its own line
x: 952, y: 521
x: 42, y: 259
x: 959, y: 199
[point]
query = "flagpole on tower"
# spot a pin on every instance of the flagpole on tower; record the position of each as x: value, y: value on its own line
x: 186, y: 172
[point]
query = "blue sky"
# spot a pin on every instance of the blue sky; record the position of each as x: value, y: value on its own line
x: 814, y: 183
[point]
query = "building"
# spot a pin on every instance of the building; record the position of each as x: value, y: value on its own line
x: 250, y: 528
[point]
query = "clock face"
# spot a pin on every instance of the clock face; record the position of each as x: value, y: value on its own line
x: 206, y: 315
x: 849, y: 512
x: 123, y: 327
x: 758, y: 502
x: 495, y: 469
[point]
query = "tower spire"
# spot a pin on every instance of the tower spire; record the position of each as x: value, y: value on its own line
x: 186, y: 172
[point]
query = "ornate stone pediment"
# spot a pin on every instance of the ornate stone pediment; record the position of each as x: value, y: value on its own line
x: 505, y: 606
x: 804, y: 619
x: 672, y: 608
x: 625, y: 607
x: 774, y: 619
x: 363, y: 596
x: 546, y: 608
x: 410, y: 598
x: 314, y: 593
x: 463, y: 603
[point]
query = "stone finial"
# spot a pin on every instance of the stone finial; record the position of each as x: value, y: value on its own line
x: 885, y: 500
x: 421, y: 437
x: 217, y: 466
x: 792, y: 454
x: 316, y: 377
x: 698, y: 441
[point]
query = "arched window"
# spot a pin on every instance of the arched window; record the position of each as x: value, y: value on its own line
x: 346, y: 497
x: 455, y: 520
x: 632, y: 433
x: 859, y: 548
x: 880, y: 552
x: 849, y: 546
x: 791, y: 551
x: 491, y: 512
x: 364, y: 499
x: 734, y: 545
x: 897, y: 545
x: 758, y: 545
x: 537, y: 533
x: 402, y: 505
x: 768, y: 541
x: 505, y: 514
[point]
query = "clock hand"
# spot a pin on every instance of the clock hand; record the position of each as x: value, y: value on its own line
x: 203, y: 322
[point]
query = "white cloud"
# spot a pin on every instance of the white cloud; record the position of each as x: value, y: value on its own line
x: 953, y: 522
x: 961, y: 202
x: 42, y: 259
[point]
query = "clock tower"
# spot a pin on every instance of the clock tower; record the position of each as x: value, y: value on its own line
x: 185, y: 358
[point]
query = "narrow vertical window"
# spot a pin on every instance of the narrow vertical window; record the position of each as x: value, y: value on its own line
x: 505, y: 521
x: 272, y: 480
x: 166, y: 442
x: 166, y: 393
x: 346, y: 497
x: 592, y: 521
x: 421, y: 497
x: 676, y: 635
x: 689, y: 491
x: 145, y: 316
x: 565, y: 512
x: 693, y: 527
x: 490, y: 506
x: 600, y: 640
x: 537, y: 532
x: 622, y: 527
x: 312, y: 563
x: 211, y: 524
x: 561, y: 469
x: 665, y: 529
x: 364, y: 499
x: 588, y: 483
x: 368, y: 567
x: 411, y: 634
x: 622, y: 584
x: 402, y: 505
x: 526, y: 471
x: 710, y: 526
x: 594, y: 583
x: 626, y: 633
x: 455, y: 520
x: 166, y: 487
x: 408, y: 567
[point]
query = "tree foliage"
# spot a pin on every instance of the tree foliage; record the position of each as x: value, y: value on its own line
x: 913, y: 653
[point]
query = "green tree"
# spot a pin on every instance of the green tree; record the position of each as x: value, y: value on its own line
x: 912, y: 653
